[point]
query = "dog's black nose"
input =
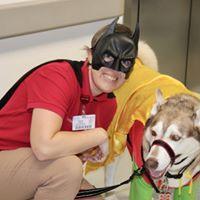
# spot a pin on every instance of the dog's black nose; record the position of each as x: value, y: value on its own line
x: 151, y: 163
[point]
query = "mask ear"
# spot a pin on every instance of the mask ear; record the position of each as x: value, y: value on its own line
x: 111, y: 27
x: 159, y: 101
x: 136, y: 35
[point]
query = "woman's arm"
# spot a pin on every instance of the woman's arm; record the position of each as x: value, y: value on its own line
x: 48, y: 142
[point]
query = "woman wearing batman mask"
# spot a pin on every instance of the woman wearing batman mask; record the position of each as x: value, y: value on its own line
x: 56, y: 116
x: 111, y: 57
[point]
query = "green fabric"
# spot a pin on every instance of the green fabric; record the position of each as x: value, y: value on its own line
x: 140, y: 190
x: 185, y: 192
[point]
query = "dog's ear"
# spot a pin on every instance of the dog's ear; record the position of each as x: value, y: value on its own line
x: 197, y: 124
x: 159, y: 101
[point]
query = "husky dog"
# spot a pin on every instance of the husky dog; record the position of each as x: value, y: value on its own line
x: 171, y: 142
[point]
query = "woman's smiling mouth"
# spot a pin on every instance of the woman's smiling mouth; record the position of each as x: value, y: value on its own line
x: 109, y: 77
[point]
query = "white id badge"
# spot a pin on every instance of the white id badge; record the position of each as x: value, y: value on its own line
x: 83, y: 122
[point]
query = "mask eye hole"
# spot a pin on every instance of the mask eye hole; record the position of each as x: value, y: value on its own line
x: 127, y: 63
x: 107, y: 58
x: 175, y: 137
x: 153, y: 133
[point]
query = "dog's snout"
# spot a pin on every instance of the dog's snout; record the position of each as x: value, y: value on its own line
x: 151, y: 163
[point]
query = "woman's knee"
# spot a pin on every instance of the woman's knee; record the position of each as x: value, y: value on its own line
x: 71, y: 166
x: 75, y: 167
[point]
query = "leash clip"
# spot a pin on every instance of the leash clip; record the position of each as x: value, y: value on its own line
x: 165, y: 193
x: 164, y: 188
x: 139, y: 172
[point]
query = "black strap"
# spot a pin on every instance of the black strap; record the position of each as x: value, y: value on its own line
x: 98, y: 191
x: 180, y: 173
x: 76, y: 65
x: 151, y: 181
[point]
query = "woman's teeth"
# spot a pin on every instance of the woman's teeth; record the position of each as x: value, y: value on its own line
x: 111, y: 78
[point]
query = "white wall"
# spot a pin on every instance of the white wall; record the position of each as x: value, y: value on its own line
x: 19, y: 54
x: 4, y: 2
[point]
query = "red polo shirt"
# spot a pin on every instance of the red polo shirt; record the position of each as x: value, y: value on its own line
x: 54, y: 87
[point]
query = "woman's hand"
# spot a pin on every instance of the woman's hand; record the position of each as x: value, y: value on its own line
x: 98, y: 153
x: 94, y: 155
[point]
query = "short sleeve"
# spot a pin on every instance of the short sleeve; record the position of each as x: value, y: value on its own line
x: 51, y: 87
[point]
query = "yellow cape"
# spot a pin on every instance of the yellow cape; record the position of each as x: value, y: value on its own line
x: 134, y: 102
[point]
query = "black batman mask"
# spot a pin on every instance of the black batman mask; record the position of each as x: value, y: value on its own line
x: 116, y: 50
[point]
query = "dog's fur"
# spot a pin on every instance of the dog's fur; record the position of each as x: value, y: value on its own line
x: 147, y: 55
x: 175, y: 121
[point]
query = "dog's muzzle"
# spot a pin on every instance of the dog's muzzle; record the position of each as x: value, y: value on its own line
x: 167, y: 148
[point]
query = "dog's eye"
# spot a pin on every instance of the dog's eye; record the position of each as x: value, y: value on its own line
x: 153, y: 133
x: 175, y: 137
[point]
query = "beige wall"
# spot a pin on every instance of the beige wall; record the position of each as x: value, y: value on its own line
x: 28, y: 16
x: 20, y: 51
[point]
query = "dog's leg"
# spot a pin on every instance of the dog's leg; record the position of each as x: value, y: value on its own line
x: 110, y: 171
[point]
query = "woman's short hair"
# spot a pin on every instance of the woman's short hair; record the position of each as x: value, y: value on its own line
x: 119, y: 28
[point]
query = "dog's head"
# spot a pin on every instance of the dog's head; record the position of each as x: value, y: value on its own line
x: 172, y: 134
